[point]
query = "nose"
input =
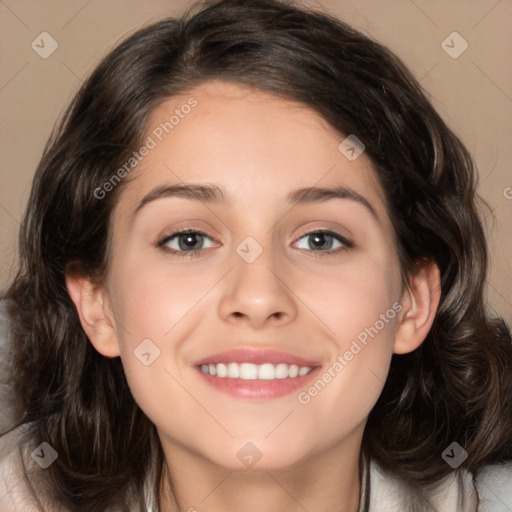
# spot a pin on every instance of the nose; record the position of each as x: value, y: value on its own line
x: 257, y: 294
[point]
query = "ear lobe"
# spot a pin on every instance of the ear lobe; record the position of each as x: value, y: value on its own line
x: 420, y: 301
x: 92, y: 304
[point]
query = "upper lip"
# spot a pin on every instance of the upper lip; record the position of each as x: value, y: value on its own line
x: 255, y: 356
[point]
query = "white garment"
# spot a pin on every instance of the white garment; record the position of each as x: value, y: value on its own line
x: 491, y: 491
x: 387, y: 494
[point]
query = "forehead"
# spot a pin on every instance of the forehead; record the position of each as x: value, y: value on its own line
x: 255, y: 145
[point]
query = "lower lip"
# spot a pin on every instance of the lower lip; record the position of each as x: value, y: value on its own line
x: 258, y: 389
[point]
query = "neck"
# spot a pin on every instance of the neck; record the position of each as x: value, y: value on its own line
x: 329, y: 482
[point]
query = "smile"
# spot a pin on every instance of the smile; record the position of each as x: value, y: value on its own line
x: 250, y: 371
x: 255, y: 373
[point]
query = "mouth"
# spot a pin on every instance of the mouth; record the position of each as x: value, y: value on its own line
x: 256, y: 373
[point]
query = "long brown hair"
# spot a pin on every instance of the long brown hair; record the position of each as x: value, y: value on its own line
x: 456, y: 387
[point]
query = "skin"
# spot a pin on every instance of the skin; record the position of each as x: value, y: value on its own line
x: 292, y: 297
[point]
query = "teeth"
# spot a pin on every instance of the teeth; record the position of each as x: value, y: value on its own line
x: 249, y: 371
x: 293, y: 371
x: 222, y: 371
x: 281, y: 371
x: 233, y: 371
x: 266, y: 372
x: 304, y: 371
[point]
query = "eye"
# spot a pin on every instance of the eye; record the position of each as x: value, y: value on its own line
x: 184, y: 243
x: 190, y: 242
x: 324, y: 241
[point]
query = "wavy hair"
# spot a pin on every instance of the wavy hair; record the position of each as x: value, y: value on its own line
x: 457, y: 386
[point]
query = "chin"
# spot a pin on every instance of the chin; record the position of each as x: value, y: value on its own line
x: 257, y: 456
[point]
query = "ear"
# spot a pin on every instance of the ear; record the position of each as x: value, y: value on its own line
x: 96, y: 315
x: 420, y: 300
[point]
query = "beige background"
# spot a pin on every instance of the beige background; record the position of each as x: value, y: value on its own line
x: 473, y: 92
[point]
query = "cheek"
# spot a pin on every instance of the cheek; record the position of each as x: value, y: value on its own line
x: 351, y: 298
x: 150, y: 300
x: 360, y: 305
x: 151, y: 308
x: 156, y: 308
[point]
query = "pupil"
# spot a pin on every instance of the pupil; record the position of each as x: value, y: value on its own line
x: 319, y: 239
x: 189, y: 240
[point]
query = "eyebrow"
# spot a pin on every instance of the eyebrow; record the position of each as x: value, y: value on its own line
x: 215, y: 194
x: 322, y: 194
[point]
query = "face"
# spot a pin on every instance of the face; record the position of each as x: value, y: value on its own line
x: 290, y: 296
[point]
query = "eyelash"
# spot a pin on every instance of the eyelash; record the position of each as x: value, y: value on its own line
x: 347, y: 244
x: 181, y: 254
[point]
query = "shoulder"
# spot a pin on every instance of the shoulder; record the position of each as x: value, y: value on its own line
x: 494, y: 484
x: 17, y: 469
x: 389, y: 493
x: 14, y: 489
x: 12, y: 482
x: 461, y: 491
x: 9, y: 413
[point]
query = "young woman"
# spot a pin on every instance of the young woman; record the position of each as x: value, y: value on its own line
x: 251, y: 278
